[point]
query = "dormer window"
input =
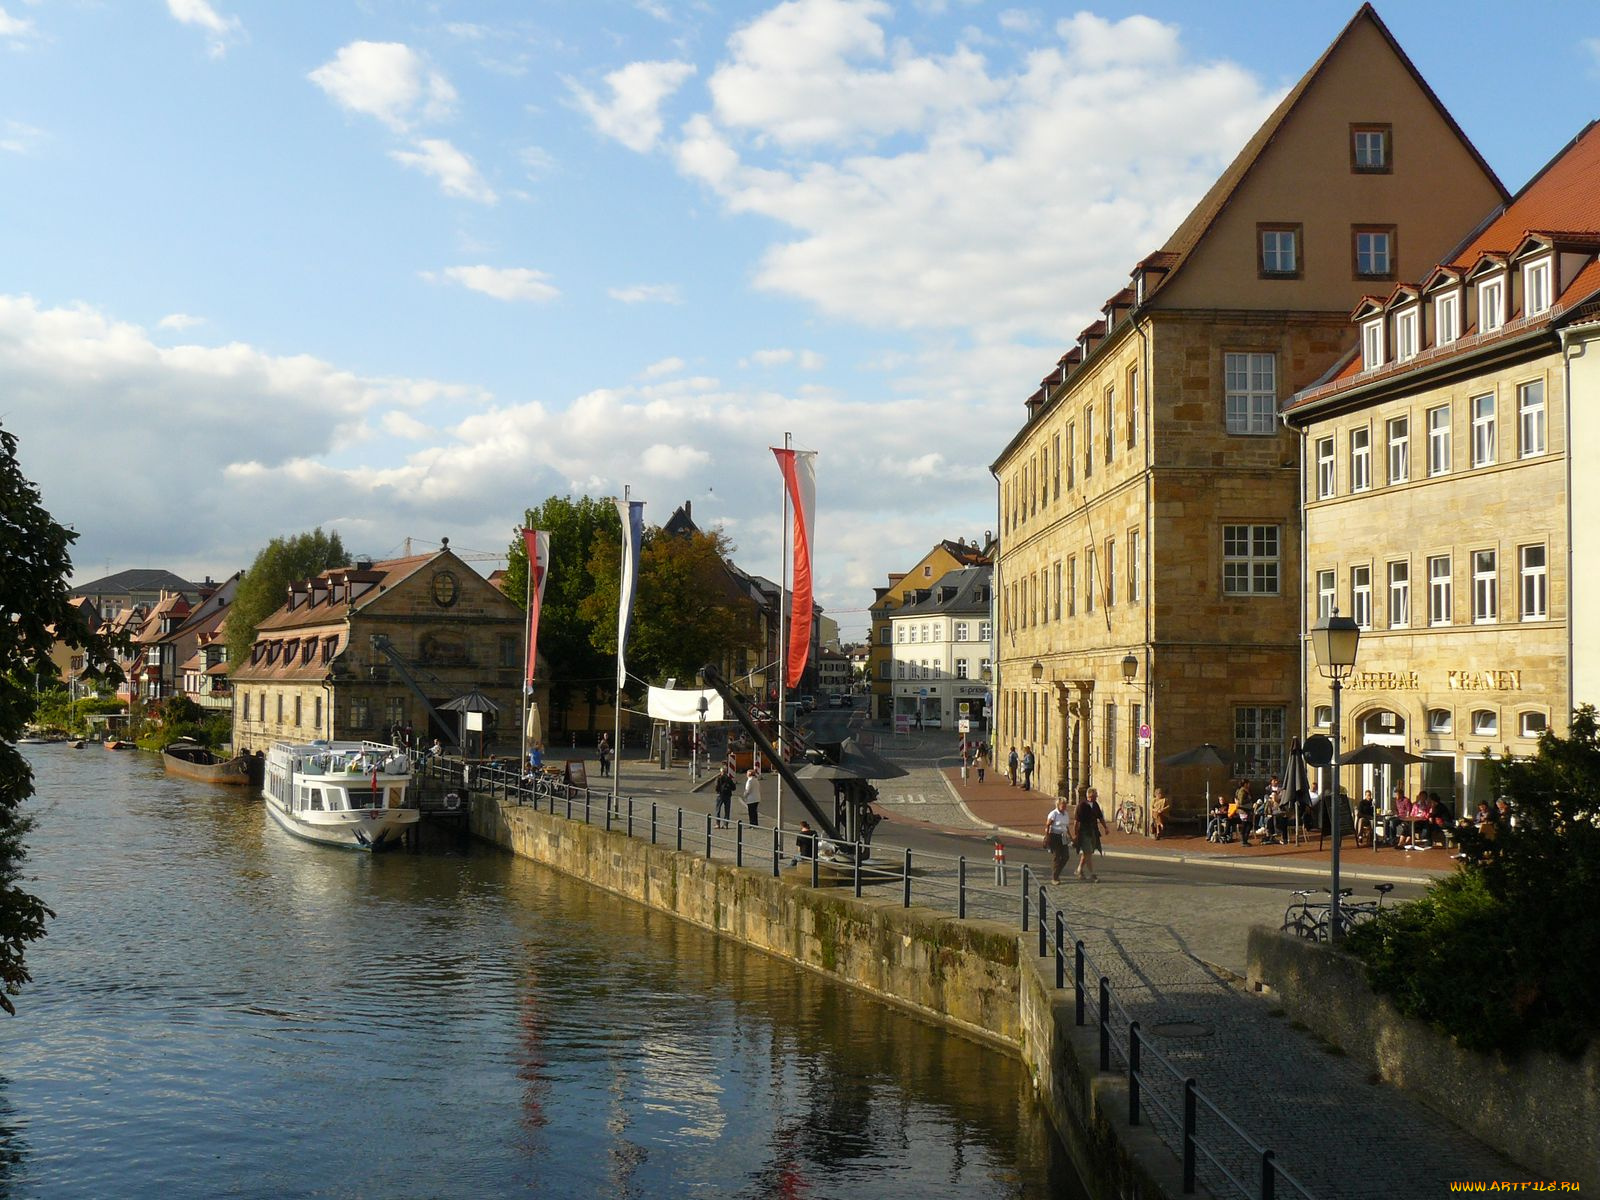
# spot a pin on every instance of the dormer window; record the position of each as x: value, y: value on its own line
x: 1446, y: 318
x: 1405, y: 334
x: 1370, y: 149
x: 1372, y: 344
x: 1491, y: 304
x: 1536, y: 287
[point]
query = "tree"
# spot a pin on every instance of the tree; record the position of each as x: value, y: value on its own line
x: 264, y: 588
x: 35, y: 612
x: 566, y: 640
x: 687, y: 610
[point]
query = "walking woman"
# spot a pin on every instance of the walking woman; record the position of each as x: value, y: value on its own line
x: 1088, y: 823
x: 752, y: 795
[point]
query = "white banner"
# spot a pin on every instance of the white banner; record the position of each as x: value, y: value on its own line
x: 683, y: 704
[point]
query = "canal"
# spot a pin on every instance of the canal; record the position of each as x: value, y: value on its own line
x: 220, y: 1010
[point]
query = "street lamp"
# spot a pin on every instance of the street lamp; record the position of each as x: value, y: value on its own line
x: 1130, y: 667
x: 1037, y: 670
x: 1334, y: 640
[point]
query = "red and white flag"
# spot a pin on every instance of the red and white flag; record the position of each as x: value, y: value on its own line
x: 538, y: 547
x: 800, y: 477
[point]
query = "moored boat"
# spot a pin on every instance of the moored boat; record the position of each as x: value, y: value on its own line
x: 349, y: 794
x: 190, y: 760
x: 115, y: 744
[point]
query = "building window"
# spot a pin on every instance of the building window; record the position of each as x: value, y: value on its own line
x: 1250, y: 560
x: 1372, y: 344
x: 1258, y: 739
x: 1278, y: 251
x: 1135, y: 719
x: 1536, y: 288
x: 1373, y: 247
x: 1485, y: 588
x: 1361, y: 596
x: 961, y: 668
x: 316, y: 712
x: 1111, y: 571
x: 1108, y: 751
x: 1439, y: 440
x: 1531, y: 567
x: 1055, y: 465
x: 1398, y: 431
x: 1326, y: 484
x: 297, y: 712
x: 1135, y: 565
x: 1071, y: 455
x: 394, y: 710
x: 1485, y: 723
x: 1530, y: 413
x: 1483, y: 430
x: 1399, y: 595
x: 1446, y: 318
x: 360, y: 713
x: 1531, y: 724
x: 885, y: 636
x: 1072, y: 587
x: 1133, y: 407
x: 1322, y: 716
x: 1360, y: 459
x: 1491, y: 304
x: 885, y: 669
x: 1405, y: 335
x: 983, y: 631
x: 1439, y: 720
x: 280, y: 708
x: 961, y: 631
x: 1251, y: 393
x: 1440, y: 600
x: 1058, y: 592
x: 1370, y: 149
x: 1325, y: 595
x: 1111, y: 407
x: 1088, y: 580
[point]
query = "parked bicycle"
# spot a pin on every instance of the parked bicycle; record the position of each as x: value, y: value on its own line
x: 1127, y: 817
x: 1314, y: 921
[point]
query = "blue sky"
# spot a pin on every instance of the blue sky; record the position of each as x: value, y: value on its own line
x: 404, y: 269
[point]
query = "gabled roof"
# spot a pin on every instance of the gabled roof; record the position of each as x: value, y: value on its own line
x: 959, y: 591
x: 371, y: 581
x: 135, y: 579
x: 1561, y: 196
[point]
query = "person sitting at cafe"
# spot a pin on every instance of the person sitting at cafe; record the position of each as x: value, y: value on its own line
x: 1238, y: 816
x: 1364, y: 819
x: 1422, y: 821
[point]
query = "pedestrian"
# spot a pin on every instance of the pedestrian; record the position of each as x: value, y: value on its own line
x: 1058, y: 837
x: 437, y: 749
x: 805, y: 844
x: 982, y: 760
x: 604, y: 749
x: 1160, y: 806
x: 536, y: 758
x: 1027, y: 768
x: 752, y: 795
x: 1088, y: 823
x: 724, y: 786
x: 1011, y: 766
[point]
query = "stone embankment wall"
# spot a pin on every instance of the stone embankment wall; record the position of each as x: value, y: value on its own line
x: 1540, y: 1109
x: 979, y: 977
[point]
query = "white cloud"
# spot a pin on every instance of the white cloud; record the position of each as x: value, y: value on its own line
x: 647, y: 293
x: 673, y: 462
x: 404, y: 425
x: 665, y: 366
x: 179, y: 321
x: 455, y: 172
x: 386, y: 80
x: 503, y: 283
x: 1016, y: 20
x: 806, y: 360
x: 18, y: 138
x: 15, y: 29
x: 633, y: 113
x: 223, y: 30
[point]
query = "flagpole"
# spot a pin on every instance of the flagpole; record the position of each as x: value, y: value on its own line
x: 783, y: 635
x: 616, y: 704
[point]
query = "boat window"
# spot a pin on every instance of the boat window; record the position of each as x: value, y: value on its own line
x: 316, y: 799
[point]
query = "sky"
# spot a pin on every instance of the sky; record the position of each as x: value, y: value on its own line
x: 404, y: 269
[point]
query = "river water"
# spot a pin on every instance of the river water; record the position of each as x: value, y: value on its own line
x: 221, y: 1010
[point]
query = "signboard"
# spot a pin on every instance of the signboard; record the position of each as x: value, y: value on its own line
x: 474, y: 722
x: 577, y: 774
x: 964, y: 707
x: 922, y: 692
x: 964, y: 725
x: 902, y: 722
x: 1144, y: 737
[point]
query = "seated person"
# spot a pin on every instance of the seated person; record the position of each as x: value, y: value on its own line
x: 1217, y: 828
x: 1422, y: 821
x: 1238, y: 817
x: 1364, y: 819
x: 1482, y: 815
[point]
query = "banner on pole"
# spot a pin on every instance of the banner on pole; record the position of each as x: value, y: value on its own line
x: 538, y: 546
x: 800, y: 477
x: 632, y: 514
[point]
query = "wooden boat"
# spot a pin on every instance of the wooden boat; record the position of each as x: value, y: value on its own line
x: 348, y: 794
x: 190, y: 760
x: 114, y: 744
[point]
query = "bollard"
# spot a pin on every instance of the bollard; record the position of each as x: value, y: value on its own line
x: 1269, y: 1176
x: 1025, y: 881
x: 906, y: 880
x: 708, y: 835
x: 777, y: 851
x: 738, y: 843
x: 1189, y: 1112
x: 816, y: 870
x: 680, y: 829
x: 857, y: 857
x: 1061, y: 949
x: 1105, y: 1023
x: 569, y: 804
x: 1133, y: 1073
x: 1042, y: 950
x: 1077, y: 978
x: 961, y: 887
x: 999, y: 863
x: 652, y: 822
x: 630, y: 815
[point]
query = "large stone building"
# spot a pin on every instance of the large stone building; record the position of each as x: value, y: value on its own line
x: 941, y: 646
x: 1150, y: 525
x: 365, y: 650
x: 1442, y: 476
x: 907, y: 588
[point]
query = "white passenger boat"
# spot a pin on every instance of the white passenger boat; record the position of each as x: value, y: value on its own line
x: 350, y: 794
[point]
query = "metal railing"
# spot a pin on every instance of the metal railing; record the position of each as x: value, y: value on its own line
x: 1123, y: 1047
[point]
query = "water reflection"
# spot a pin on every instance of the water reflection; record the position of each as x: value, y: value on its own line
x: 222, y: 1009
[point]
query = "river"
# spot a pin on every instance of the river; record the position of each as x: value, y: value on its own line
x: 221, y: 1010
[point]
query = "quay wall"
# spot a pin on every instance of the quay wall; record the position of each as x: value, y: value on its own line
x: 1540, y: 1109
x: 980, y: 978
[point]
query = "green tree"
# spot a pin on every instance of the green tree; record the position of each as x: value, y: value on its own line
x: 264, y: 588
x: 687, y: 610
x: 35, y: 612
x: 566, y: 639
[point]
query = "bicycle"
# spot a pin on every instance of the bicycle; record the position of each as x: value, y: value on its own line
x: 1351, y: 915
x: 1127, y: 819
x: 1301, y: 916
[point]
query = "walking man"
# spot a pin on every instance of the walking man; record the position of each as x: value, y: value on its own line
x: 1011, y: 766
x: 1027, y: 768
x: 605, y: 755
x: 724, y: 788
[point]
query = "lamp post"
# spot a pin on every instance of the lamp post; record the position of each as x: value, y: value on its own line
x: 1334, y: 640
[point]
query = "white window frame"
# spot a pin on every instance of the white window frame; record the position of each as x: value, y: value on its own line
x: 1400, y: 594
x: 1531, y: 417
x: 1111, y: 571
x: 1360, y: 459
x: 1405, y: 334
x: 1446, y: 317
x: 1484, y: 412
x: 1491, y: 303
x: 1368, y: 245
x: 1135, y: 566
x: 1485, y: 722
x: 1250, y: 393
x: 961, y: 631
x: 1536, y: 296
x: 1361, y: 595
x: 961, y: 668
x: 1439, y: 720
x: 1534, y: 572
x: 1088, y: 581
x: 1531, y: 723
x: 1327, y: 593
x: 1278, y: 245
x: 1251, y: 560
x: 1397, y: 432
x: 1439, y: 440
x: 1372, y: 356
x: 1327, y: 476
x: 1485, y: 587
x: 1440, y: 591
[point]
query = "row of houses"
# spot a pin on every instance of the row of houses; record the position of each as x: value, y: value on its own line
x: 1354, y: 379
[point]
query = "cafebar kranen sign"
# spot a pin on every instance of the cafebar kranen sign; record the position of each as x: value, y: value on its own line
x: 1455, y: 681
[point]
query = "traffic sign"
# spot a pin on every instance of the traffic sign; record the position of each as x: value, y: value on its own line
x: 1144, y: 732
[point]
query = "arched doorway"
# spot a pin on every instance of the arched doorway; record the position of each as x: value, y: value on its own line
x: 1382, y: 727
